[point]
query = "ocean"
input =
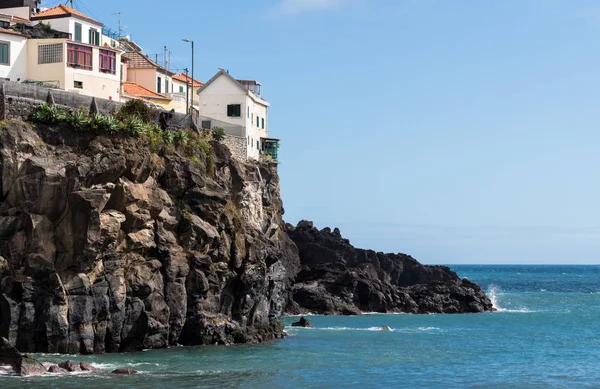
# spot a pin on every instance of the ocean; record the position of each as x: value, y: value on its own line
x: 545, y: 334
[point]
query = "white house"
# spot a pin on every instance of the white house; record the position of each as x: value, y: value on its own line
x: 87, y: 63
x: 13, y: 47
x: 238, y: 107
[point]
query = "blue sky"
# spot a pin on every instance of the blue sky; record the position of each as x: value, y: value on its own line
x: 462, y: 131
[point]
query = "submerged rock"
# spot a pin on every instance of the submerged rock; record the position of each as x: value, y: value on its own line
x: 385, y: 328
x: 302, y: 323
x: 124, y: 371
x: 23, y: 365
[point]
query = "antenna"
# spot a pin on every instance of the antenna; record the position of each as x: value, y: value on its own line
x: 120, y: 28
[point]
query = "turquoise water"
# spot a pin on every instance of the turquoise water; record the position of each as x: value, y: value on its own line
x: 545, y: 335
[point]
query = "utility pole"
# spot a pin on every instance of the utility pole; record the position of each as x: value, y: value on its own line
x: 71, y: 1
x: 120, y: 29
x: 169, y: 63
x: 165, y: 57
x: 187, y: 93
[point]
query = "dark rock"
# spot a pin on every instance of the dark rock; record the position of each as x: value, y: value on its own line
x: 109, y: 247
x: 70, y: 366
x: 385, y: 328
x: 56, y: 370
x: 337, y: 278
x: 302, y: 323
x: 23, y: 365
x: 86, y: 366
x: 124, y: 371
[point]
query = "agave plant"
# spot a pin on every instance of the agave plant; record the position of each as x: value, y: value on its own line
x: 133, y: 125
x: 48, y: 114
x: 98, y: 122
x: 218, y: 133
x: 182, y: 137
x: 111, y: 124
x: 79, y: 120
x: 169, y: 137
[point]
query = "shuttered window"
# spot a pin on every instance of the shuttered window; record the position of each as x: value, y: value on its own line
x: 77, y: 32
x: 94, y: 37
x: 4, y: 53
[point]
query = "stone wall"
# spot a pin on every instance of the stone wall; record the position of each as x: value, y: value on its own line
x: 18, y: 99
x: 237, y: 145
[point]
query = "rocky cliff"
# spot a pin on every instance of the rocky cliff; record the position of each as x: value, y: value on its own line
x: 337, y: 278
x: 106, y: 246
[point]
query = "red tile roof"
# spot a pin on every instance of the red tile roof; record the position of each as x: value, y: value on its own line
x: 61, y: 10
x: 133, y: 89
x: 181, y: 77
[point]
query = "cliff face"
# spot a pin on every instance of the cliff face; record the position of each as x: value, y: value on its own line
x: 337, y: 278
x: 106, y: 246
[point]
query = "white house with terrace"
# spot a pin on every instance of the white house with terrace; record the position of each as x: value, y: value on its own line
x: 238, y: 107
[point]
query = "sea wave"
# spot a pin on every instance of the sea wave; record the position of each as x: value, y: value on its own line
x: 494, y: 292
x: 379, y: 328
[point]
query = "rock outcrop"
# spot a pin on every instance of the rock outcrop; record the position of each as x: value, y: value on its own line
x: 106, y: 246
x: 337, y: 278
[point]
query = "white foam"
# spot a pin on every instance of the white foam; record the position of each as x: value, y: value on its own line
x: 494, y: 292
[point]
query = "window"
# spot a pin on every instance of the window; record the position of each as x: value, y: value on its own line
x: 4, y: 24
x: 257, y: 122
x: 108, y: 61
x: 248, y: 140
x: 180, y: 89
x: 263, y: 123
x: 206, y: 125
x: 50, y: 53
x: 94, y: 37
x: 78, y: 32
x: 166, y: 86
x: 257, y: 147
x: 78, y: 84
x: 234, y: 110
x: 79, y: 56
x: 158, y: 85
x: 4, y: 53
x: 248, y: 112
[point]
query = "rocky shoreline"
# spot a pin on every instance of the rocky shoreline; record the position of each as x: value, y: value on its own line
x: 109, y: 245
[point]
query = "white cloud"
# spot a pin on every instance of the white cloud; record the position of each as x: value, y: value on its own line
x: 294, y: 7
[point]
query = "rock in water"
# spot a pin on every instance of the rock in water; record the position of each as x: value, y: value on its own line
x: 23, y: 365
x: 70, y: 366
x: 336, y: 278
x: 56, y: 370
x: 86, y: 366
x: 124, y: 371
x: 385, y: 328
x: 302, y: 323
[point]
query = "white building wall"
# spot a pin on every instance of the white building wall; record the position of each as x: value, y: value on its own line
x: 68, y: 25
x: 22, y: 12
x: 18, y: 57
x: 222, y: 92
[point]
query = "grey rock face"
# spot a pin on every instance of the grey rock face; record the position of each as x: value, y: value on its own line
x: 106, y: 246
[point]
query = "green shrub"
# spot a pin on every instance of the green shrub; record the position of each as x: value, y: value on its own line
x: 132, y: 125
x: 182, y: 138
x: 154, y: 135
x: 79, y: 120
x: 111, y: 124
x: 135, y: 108
x: 48, y: 114
x: 169, y: 137
x: 218, y: 133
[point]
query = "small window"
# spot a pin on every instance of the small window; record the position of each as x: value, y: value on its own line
x: 263, y: 123
x: 4, y: 53
x: 166, y: 86
x: 257, y: 122
x: 78, y: 84
x: 158, y: 85
x: 206, y: 125
x: 180, y: 89
x: 257, y: 146
x: 248, y: 111
x: 234, y: 110
x: 78, y: 32
x: 94, y: 37
x: 4, y: 24
x: 248, y: 140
